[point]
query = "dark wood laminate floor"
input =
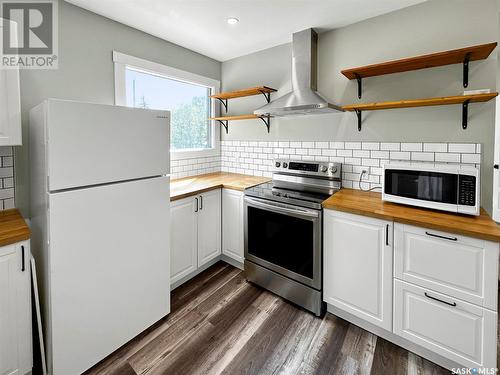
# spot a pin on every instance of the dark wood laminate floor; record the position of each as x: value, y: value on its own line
x: 220, y: 324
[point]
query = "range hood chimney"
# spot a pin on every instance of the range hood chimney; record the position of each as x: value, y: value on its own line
x: 303, y: 100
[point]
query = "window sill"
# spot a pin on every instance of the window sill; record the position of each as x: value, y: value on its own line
x: 194, y: 153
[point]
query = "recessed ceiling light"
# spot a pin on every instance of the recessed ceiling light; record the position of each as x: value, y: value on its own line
x: 232, y: 21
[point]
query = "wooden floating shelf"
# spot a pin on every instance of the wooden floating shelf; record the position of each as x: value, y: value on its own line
x: 464, y: 100
x: 445, y: 100
x: 258, y: 90
x: 456, y: 56
x: 232, y: 118
x: 244, y: 92
x: 224, y: 120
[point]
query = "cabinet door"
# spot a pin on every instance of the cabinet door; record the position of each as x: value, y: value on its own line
x: 209, y: 226
x: 10, y: 105
x: 183, y: 238
x: 460, y: 331
x: 459, y: 266
x: 15, y: 310
x: 232, y: 224
x: 358, y: 266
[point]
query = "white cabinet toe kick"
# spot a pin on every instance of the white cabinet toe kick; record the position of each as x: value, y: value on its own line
x: 431, y: 292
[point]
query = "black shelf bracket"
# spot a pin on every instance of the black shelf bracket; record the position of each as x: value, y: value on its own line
x: 466, y: 69
x: 267, y: 121
x: 465, y: 113
x: 358, y: 113
x: 224, y: 103
x: 358, y: 78
x: 267, y: 95
x: 225, y: 124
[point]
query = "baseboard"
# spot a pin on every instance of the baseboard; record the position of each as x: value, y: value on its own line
x: 231, y: 261
x: 222, y: 257
x: 389, y: 336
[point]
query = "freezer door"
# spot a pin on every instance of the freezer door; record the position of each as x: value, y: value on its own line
x: 90, y: 144
x: 110, y: 268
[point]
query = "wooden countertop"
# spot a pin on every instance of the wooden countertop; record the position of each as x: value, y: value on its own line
x: 371, y: 204
x: 13, y: 228
x: 188, y: 186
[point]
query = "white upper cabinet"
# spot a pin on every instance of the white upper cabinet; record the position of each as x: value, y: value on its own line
x: 232, y: 224
x: 10, y: 105
x: 16, y: 356
x: 358, y: 266
x: 209, y: 226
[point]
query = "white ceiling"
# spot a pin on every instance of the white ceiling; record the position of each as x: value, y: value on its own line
x: 201, y: 26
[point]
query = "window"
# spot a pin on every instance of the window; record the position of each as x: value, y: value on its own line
x: 143, y: 84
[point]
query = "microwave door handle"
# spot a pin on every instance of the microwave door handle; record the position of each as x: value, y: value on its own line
x: 276, y: 208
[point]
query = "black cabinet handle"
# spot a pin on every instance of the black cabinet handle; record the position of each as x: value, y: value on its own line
x: 495, y: 166
x: 196, y: 210
x: 23, y: 267
x: 443, y: 237
x: 440, y: 300
x: 387, y: 234
x: 201, y: 202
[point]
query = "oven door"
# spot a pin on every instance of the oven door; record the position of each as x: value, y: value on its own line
x: 284, y: 238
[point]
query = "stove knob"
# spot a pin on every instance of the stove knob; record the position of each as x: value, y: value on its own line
x: 323, y: 168
x: 333, y: 169
x: 285, y: 164
x: 277, y: 164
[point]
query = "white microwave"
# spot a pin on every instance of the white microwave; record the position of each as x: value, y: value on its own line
x: 447, y: 187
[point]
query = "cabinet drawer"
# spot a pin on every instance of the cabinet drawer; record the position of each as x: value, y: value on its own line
x: 457, y: 330
x: 462, y: 267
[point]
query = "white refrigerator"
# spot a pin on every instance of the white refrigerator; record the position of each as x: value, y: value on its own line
x: 100, y: 204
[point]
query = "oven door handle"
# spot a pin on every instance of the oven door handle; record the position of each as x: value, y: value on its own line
x: 280, y: 208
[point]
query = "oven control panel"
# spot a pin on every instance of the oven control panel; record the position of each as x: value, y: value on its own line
x: 300, y: 167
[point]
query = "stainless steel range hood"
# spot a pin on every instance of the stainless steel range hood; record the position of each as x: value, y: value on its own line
x: 303, y: 100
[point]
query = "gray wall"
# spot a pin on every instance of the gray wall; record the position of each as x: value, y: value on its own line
x: 86, y: 42
x: 429, y: 27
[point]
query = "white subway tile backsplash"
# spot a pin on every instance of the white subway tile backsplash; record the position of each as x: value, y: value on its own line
x: 361, y: 153
x: 321, y: 144
x: 390, y: 146
x: 447, y: 157
x: 399, y: 155
x: 370, y: 146
x: 422, y: 156
x: 435, y: 147
x: 353, y: 145
x: 355, y: 157
x: 411, y: 146
x: 462, y: 147
x: 471, y: 158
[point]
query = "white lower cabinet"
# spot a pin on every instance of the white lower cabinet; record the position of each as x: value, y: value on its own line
x: 232, y: 224
x: 209, y: 226
x: 195, y: 232
x: 442, y: 295
x: 455, y: 329
x: 357, y: 275
x: 183, y: 238
x: 16, y: 351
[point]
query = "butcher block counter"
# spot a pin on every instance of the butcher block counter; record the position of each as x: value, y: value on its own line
x: 188, y: 186
x: 371, y: 204
x: 13, y: 228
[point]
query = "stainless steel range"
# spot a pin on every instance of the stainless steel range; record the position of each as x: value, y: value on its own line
x: 283, y: 230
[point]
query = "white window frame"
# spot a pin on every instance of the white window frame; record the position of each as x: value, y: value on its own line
x: 123, y: 61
